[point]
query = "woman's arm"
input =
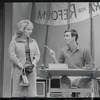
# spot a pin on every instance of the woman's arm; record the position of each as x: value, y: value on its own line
x: 12, y: 55
x: 37, y: 54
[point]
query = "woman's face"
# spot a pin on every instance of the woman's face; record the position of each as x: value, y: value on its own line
x: 68, y: 38
x: 28, y: 31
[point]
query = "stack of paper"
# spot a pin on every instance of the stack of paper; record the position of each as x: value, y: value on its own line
x: 58, y: 66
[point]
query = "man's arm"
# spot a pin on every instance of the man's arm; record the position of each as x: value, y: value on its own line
x: 53, y: 55
x: 89, y: 64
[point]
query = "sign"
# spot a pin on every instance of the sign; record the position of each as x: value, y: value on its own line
x: 57, y: 13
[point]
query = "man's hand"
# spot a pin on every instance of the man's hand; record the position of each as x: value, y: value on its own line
x: 98, y: 68
x: 88, y: 66
x: 52, y: 53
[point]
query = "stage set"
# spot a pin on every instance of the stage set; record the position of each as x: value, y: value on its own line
x: 54, y: 72
x: 50, y: 20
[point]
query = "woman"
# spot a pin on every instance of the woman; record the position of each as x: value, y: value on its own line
x: 24, y: 51
x: 76, y: 57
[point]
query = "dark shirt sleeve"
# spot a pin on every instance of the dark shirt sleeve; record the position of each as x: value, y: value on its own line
x: 87, y: 57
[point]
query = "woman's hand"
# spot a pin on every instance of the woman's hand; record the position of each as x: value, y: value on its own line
x: 20, y: 66
x: 34, y: 62
x: 28, y: 68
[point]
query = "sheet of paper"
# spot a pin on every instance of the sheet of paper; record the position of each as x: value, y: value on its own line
x: 58, y: 66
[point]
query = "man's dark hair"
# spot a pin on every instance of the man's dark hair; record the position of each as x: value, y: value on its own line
x: 74, y: 33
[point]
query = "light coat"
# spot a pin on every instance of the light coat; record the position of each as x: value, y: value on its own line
x: 17, y: 55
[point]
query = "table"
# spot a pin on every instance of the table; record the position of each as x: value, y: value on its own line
x: 73, y: 72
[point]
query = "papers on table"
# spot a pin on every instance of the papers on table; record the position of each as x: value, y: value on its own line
x: 58, y: 66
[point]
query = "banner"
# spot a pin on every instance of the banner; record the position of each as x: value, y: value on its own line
x: 79, y: 12
x: 95, y: 8
x: 51, y: 13
x: 57, y: 13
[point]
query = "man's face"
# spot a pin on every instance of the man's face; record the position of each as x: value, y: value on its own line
x: 68, y: 38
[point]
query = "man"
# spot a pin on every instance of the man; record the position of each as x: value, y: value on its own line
x: 76, y: 57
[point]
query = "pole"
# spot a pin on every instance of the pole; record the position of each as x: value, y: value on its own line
x: 94, y: 90
x: 91, y: 32
x: 46, y: 38
x: 45, y: 50
x: 68, y: 20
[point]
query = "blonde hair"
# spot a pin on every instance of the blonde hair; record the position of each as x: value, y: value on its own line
x: 21, y: 26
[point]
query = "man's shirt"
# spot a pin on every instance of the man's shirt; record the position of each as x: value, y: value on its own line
x: 79, y: 57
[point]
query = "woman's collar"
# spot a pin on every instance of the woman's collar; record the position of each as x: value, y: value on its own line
x: 18, y: 39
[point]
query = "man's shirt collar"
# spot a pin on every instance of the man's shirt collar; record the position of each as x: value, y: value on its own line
x: 74, y: 50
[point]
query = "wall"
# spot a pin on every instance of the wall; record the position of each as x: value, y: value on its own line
x: 1, y: 46
x: 20, y: 11
x: 7, y: 67
x: 96, y: 21
x: 14, y: 12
